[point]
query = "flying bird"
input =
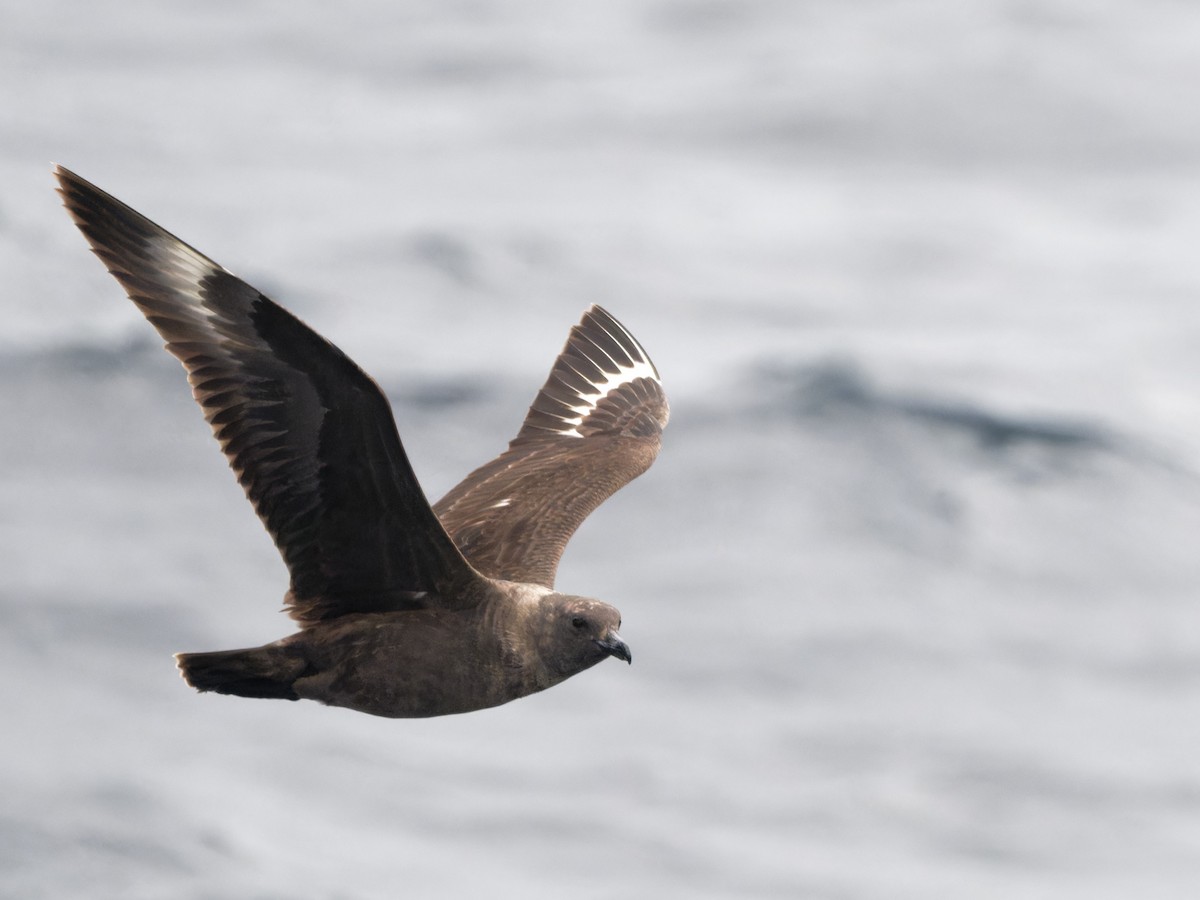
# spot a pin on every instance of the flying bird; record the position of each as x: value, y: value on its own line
x: 404, y: 609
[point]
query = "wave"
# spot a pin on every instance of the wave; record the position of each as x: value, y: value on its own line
x: 840, y: 390
x: 86, y: 357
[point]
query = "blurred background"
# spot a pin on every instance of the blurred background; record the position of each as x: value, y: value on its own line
x: 912, y: 589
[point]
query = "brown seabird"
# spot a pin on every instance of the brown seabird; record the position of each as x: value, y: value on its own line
x: 405, y: 609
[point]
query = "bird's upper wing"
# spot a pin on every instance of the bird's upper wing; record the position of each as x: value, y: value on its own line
x: 310, y: 436
x: 594, y: 427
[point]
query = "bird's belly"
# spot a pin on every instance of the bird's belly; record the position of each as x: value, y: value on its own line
x: 408, y: 666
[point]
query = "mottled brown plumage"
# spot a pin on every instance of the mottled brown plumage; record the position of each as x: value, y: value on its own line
x: 405, y: 609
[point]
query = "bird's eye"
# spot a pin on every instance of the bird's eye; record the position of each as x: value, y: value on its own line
x: 578, y: 622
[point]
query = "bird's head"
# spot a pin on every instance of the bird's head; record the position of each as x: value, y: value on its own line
x: 575, y: 633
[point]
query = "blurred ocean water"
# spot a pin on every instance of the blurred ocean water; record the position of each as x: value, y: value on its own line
x: 913, y: 586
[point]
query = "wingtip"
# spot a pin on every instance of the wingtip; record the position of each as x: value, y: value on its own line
x: 609, y: 323
x: 72, y: 189
x: 181, y: 665
x: 75, y: 193
x: 63, y: 174
x: 73, y: 186
x: 596, y: 311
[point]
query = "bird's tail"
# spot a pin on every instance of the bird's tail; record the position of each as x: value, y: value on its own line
x: 267, y: 672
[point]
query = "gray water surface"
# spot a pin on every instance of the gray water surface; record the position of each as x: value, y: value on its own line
x: 912, y: 588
